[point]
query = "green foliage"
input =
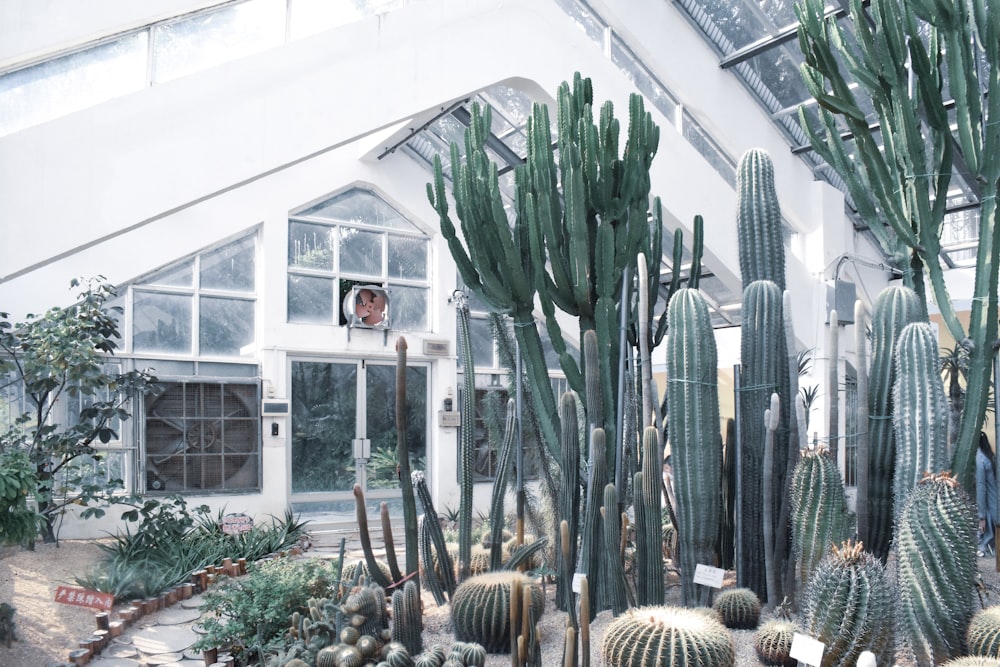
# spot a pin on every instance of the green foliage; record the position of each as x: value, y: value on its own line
x: 773, y: 643
x: 738, y: 607
x: 18, y: 522
x: 249, y: 614
x: 936, y: 568
x: 849, y: 606
x: 59, y: 360
x: 667, y: 637
x: 819, y: 510
x: 480, y: 609
x: 983, y: 636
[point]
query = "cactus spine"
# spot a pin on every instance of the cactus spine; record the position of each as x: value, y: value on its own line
x: 649, y: 521
x: 696, y: 449
x: 763, y: 372
x: 894, y: 308
x: 819, y: 510
x: 667, y: 636
x: 936, y: 571
x: 983, y: 635
x: 849, y: 604
x: 920, y: 418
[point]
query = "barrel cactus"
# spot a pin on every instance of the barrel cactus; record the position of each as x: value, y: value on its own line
x: 739, y: 608
x: 983, y: 635
x: 849, y: 606
x: 666, y: 637
x: 937, y: 569
x: 773, y: 643
x: 819, y: 510
x: 480, y: 609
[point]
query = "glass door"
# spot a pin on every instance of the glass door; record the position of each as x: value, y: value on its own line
x: 343, y: 429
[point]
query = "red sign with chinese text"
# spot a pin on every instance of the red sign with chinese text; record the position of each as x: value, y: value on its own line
x: 81, y: 597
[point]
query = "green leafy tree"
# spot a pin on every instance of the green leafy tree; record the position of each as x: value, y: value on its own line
x: 49, y: 360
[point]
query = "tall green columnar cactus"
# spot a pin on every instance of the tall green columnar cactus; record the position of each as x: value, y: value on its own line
x: 590, y: 561
x: 758, y: 221
x: 849, y: 606
x: 763, y: 360
x: 440, y: 580
x: 403, y: 458
x: 618, y: 591
x: 649, y: 522
x: 936, y: 571
x: 467, y: 445
x: 894, y: 308
x: 569, y: 494
x: 920, y: 417
x: 910, y: 59
x: 693, y: 427
x: 819, y: 510
x: 407, y: 617
x: 500, y: 485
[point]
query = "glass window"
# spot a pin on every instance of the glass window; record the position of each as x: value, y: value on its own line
x: 199, y: 306
x: 208, y: 39
x: 161, y: 323
x: 375, y: 246
x: 202, y: 436
x: 57, y: 87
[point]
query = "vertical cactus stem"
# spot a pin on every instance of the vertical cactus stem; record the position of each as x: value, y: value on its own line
x: 584, y: 623
x: 800, y: 411
x: 366, y: 541
x: 861, y: 363
x: 387, y: 539
x: 515, y: 609
x: 595, y: 407
x: 771, y: 422
x: 832, y: 386
x: 403, y: 461
x: 643, y: 335
x: 567, y: 570
x: 569, y: 648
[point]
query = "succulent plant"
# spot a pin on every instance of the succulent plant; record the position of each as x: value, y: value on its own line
x: 667, y: 636
x: 366, y: 608
x: 819, y: 510
x: 327, y: 657
x: 648, y: 521
x: 296, y: 662
x: 407, y: 619
x: 480, y: 608
x: 936, y: 568
x: 358, y: 568
x: 983, y: 636
x: 971, y: 661
x: 773, y: 642
x: 849, y: 605
x: 739, y: 608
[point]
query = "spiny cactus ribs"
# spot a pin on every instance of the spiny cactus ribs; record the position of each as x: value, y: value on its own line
x: 667, y: 637
x: 739, y: 608
x: 773, y: 643
x: 480, y: 609
x: 983, y: 635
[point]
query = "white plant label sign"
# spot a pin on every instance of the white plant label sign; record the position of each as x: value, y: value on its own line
x: 706, y: 575
x: 807, y: 650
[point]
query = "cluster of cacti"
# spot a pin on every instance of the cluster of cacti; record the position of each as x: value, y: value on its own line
x: 738, y: 608
x: 971, y: 661
x: 819, y: 510
x: 355, y: 569
x: 433, y: 549
x: 407, y: 617
x: 983, y: 636
x: 773, y: 642
x: 669, y: 637
x: 920, y: 416
x: 849, y: 606
x: 696, y: 449
x: 894, y: 308
x: 461, y: 654
x: 481, y: 608
x: 936, y: 568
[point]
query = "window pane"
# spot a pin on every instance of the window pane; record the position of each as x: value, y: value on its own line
x: 217, y: 37
x: 407, y: 257
x: 161, y: 323
x: 310, y: 299
x: 409, y: 308
x: 481, y: 338
x: 227, y: 325
x: 310, y: 246
x: 76, y: 81
x: 359, y: 207
x: 360, y: 252
x: 230, y: 267
x: 180, y: 275
x: 381, y: 413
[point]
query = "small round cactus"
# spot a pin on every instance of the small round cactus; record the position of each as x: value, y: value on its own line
x: 350, y: 571
x: 773, y: 643
x: 983, y: 635
x: 296, y: 662
x: 368, y: 646
x: 480, y: 609
x: 327, y: 657
x: 350, y: 635
x: 738, y: 608
x: 667, y: 636
x: 349, y: 656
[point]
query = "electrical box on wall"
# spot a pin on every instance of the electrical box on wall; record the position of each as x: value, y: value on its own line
x: 448, y: 418
x: 273, y: 408
x: 840, y: 295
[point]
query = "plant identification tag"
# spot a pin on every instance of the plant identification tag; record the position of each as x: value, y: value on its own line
x: 578, y: 578
x: 706, y: 575
x: 807, y: 650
